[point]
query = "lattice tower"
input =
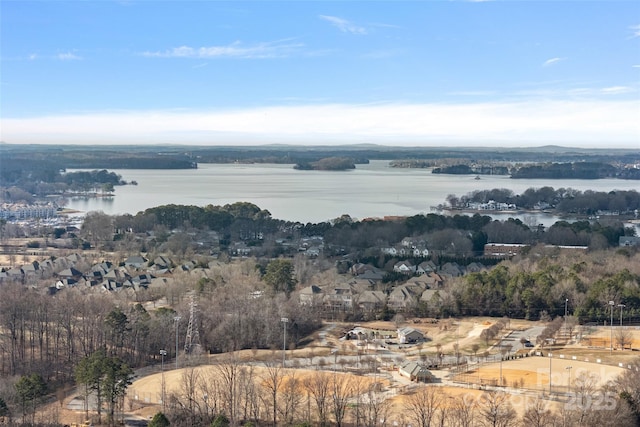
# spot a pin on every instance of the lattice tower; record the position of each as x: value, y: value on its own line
x: 192, y: 342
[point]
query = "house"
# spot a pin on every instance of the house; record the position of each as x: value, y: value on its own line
x: 31, y: 268
x: 405, y: 296
x: 373, y: 275
x: 475, y: 267
x: 420, y: 252
x: 135, y: 261
x: 404, y: 267
x: 432, y: 280
x: 69, y: 273
x: 408, y: 242
x: 434, y: 297
x: 240, y: 249
x: 116, y: 275
x: 371, y: 301
x: 313, y: 251
x: 389, y: 251
x: 409, y: 335
x: 340, y: 297
x: 426, y: 267
x: 310, y: 296
x: 416, y: 372
x: 451, y: 269
x: 161, y: 262
x: 629, y: 241
x: 504, y: 250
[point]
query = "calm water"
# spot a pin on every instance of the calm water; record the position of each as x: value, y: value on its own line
x: 373, y: 190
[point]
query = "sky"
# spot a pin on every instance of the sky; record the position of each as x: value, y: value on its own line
x: 406, y: 73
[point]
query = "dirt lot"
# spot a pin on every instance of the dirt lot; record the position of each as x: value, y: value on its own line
x: 533, y: 373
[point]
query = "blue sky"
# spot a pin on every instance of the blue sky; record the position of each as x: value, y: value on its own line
x: 432, y: 73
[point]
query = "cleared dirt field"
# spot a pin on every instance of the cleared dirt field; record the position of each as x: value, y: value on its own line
x: 533, y: 373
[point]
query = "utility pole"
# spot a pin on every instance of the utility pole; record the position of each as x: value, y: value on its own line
x: 284, y: 321
x: 163, y: 353
x: 177, y: 321
x: 611, y: 303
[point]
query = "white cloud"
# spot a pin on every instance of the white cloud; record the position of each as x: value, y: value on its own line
x: 552, y: 61
x: 616, y: 90
x: 236, y: 49
x: 577, y: 123
x: 344, y: 25
x: 67, y: 56
x: 635, y: 29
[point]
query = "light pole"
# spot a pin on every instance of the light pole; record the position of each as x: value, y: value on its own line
x: 177, y: 321
x: 163, y: 353
x: 550, y: 357
x: 566, y: 303
x: 284, y: 321
x: 611, y: 303
x: 500, y: 345
x: 569, y: 383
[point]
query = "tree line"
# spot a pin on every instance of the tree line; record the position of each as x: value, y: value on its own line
x: 561, y: 200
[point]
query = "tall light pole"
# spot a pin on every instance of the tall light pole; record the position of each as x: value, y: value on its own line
x: 550, y: 357
x: 501, y: 355
x: 569, y: 383
x: 177, y: 321
x: 163, y: 353
x: 566, y: 302
x: 284, y: 321
x: 611, y: 303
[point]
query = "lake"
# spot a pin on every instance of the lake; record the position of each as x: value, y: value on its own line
x: 372, y: 190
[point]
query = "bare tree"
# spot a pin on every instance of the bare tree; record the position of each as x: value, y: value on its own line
x: 290, y: 399
x: 628, y: 387
x: 422, y: 405
x: 463, y: 412
x: 318, y: 387
x: 539, y: 415
x: 623, y: 338
x: 376, y: 407
x: 228, y: 372
x: 584, y: 386
x: 189, y: 384
x: 341, y: 390
x: 474, y: 348
x: 495, y: 410
x: 98, y: 228
x: 272, y: 382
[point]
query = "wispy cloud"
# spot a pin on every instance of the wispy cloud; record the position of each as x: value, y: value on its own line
x: 63, y: 56
x: 635, y: 29
x: 68, y: 56
x: 552, y: 61
x: 616, y: 90
x: 344, y: 25
x: 531, y: 122
x: 276, y: 49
